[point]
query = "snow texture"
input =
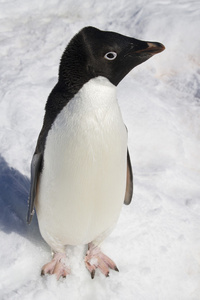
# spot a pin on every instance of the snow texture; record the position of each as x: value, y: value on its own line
x: 156, y: 243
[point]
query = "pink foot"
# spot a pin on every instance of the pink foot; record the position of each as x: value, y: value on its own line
x: 96, y: 259
x: 56, y: 266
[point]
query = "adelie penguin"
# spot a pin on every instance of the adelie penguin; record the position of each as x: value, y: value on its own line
x: 81, y: 170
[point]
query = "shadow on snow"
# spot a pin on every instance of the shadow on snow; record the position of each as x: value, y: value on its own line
x: 14, y: 191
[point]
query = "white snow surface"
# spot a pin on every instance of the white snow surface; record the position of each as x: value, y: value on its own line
x: 156, y: 243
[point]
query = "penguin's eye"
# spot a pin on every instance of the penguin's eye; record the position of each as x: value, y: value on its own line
x: 110, y: 55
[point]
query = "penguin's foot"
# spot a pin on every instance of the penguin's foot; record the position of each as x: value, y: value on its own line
x: 56, y: 266
x: 95, y: 259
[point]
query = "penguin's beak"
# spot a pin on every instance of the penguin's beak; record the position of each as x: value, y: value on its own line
x: 143, y: 50
x: 152, y: 48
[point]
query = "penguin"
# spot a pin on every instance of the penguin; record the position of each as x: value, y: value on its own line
x: 81, y: 171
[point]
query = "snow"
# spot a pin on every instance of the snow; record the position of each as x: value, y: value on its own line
x: 156, y: 243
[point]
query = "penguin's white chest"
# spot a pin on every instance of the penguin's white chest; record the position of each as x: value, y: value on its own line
x: 82, y: 185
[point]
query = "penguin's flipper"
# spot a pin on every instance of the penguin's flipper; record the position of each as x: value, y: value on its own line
x: 129, y: 182
x: 35, y: 173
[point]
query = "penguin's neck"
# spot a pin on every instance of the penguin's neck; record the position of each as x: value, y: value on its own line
x: 73, y: 71
x: 97, y: 96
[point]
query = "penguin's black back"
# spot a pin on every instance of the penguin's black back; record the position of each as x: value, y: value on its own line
x: 72, y: 76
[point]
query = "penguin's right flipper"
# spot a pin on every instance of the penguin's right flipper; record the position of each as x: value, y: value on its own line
x: 129, y: 181
x: 35, y: 173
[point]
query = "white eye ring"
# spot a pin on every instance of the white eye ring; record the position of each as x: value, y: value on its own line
x: 110, y: 55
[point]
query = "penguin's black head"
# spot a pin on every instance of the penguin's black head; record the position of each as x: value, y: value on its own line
x: 104, y: 53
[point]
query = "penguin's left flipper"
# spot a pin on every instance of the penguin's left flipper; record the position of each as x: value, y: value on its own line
x: 35, y: 173
x: 129, y: 181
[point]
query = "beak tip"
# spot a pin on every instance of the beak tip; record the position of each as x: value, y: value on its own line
x: 155, y: 47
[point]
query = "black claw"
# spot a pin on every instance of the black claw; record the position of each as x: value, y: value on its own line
x: 92, y: 274
x: 107, y: 275
x: 42, y: 273
x: 116, y: 269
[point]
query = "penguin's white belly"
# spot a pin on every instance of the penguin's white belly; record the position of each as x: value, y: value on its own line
x: 82, y: 185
